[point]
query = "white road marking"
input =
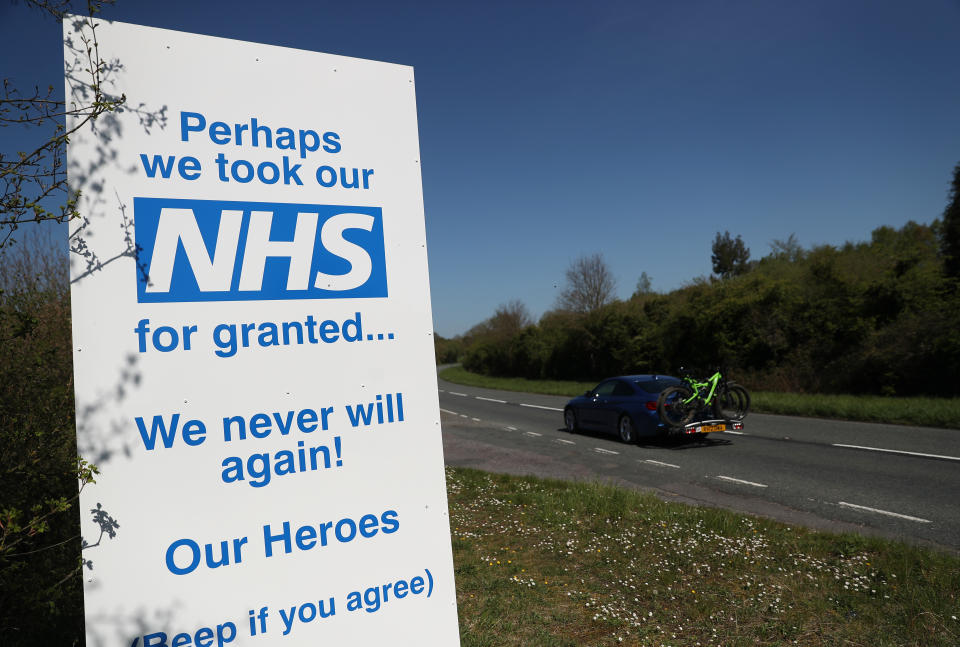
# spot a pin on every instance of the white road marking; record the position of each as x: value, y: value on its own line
x: 735, y: 433
x: 463, y: 415
x: 886, y: 512
x: 652, y: 462
x: 898, y: 451
x: 490, y: 399
x: 532, y: 433
x: 741, y: 481
x: 462, y: 395
x: 441, y: 390
x: 538, y: 406
x: 601, y: 450
x: 510, y: 428
x: 564, y: 441
x: 475, y: 419
x: 454, y: 413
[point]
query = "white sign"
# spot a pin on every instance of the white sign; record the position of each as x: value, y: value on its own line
x: 253, y: 349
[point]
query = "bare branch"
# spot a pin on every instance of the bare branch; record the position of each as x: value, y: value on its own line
x: 32, y: 182
x: 590, y: 285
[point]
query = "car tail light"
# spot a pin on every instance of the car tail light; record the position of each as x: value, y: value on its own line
x: 651, y: 405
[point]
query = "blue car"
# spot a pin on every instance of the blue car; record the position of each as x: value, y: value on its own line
x: 625, y: 406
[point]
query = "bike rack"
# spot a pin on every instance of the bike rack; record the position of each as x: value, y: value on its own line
x: 697, y: 427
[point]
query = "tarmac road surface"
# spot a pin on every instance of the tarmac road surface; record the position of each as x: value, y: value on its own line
x: 889, y: 480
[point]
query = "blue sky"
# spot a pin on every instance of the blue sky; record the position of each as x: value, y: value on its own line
x: 550, y: 130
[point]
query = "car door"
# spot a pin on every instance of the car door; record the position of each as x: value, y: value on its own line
x: 611, y: 405
x: 592, y: 415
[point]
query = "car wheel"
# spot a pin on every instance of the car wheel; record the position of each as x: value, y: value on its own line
x: 625, y: 427
x: 570, y: 420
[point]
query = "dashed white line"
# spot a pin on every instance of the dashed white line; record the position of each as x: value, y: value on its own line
x: 462, y: 395
x: 898, y: 451
x: 475, y: 419
x: 490, y: 399
x: 538, y: 406
x: 741, y: 481
x: 564, y: 441
x: 652, y: 462
x: 463, y: 415
x: 735, y: 433
x: 601, y: 450
x: 453, y: 413
x: 510, y: 428
x: 532, y: 433
x: 844, y: 504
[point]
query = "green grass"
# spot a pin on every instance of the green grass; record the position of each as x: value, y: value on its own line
x: 930, y: 412
x: 553, y: 563
x: 459, y: 375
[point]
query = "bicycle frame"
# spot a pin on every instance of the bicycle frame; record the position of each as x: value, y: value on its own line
x: 697, y: 387
x: 714, y: 398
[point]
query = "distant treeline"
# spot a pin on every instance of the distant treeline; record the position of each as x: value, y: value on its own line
x: 41, y: 600
x: 875, y: 317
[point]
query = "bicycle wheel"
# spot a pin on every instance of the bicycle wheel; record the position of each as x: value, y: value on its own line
x: 733, y: 403
x: 744, y: 400
x: 672, y: 408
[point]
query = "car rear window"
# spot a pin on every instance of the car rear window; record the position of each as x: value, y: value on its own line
x: 658, y: 385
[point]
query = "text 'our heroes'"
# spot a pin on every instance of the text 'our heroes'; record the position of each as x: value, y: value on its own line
x: 215, y: 250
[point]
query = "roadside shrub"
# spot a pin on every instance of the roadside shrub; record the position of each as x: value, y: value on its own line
x: 447, y: 351
x: 874, y: 317
x: 40, y: 586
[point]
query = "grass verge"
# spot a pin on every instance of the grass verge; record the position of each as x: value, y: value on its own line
x: 929, y: 412
x: 459, y: 375
x: 553, y: 563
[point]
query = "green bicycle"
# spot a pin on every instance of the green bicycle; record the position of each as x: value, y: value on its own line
x: 678, y: 405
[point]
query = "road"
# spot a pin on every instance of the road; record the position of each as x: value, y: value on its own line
x: 887, y: 480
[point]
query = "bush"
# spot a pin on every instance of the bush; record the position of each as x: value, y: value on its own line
x: 447, y: 351
x: 876, y: 317
x: 40, y: 586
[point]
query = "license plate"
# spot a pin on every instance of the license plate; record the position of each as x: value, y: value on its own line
x: 708, y: 428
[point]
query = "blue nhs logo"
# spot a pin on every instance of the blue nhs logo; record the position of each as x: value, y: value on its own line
x: 214, y: 250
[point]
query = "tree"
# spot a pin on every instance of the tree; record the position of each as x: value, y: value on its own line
x: 590, y: 285
x: 40, y: 549
x: 490, y: 345
x: 730, y: 256
x: 507, y: 320
x: 788, y: 249
x: 447, y: 351
x: 644, y: 285
x: 33, y: 184
x: 510, y: 318
x: 950, y: 235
